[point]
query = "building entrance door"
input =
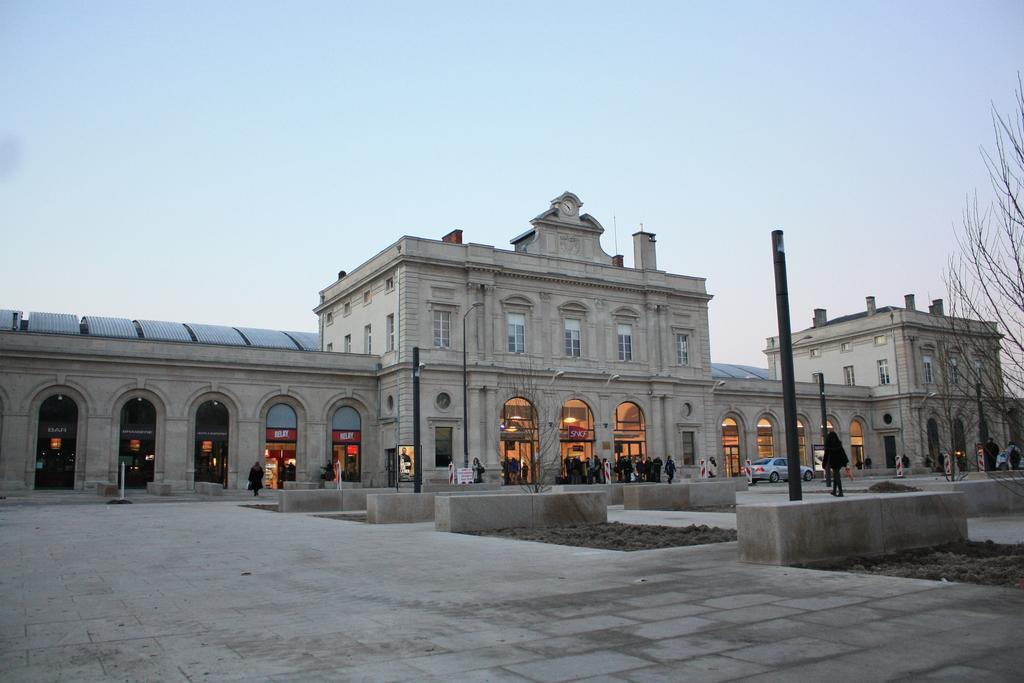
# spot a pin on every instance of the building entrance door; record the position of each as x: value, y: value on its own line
x: 890, y: 451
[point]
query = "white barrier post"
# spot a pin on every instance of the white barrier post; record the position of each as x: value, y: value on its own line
x: 122, y: 481
x: 750, y: 472
x: 703, y: 469
x: 607, y: 472
x: 947, y: 464
x: 339, y: 475
x: 899, y: 467
x: 981, y: 460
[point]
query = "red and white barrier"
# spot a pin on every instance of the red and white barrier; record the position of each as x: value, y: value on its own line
x: 948, y: 465
x: 750, y: 472
x: 981, y: 460
x: 849, y: 472
x: 451, y: 473
x: 607, y: 472
x: 899, y: 468
x: 703, y: 469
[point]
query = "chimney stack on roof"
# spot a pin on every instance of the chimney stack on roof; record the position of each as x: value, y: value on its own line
x: 820, y: 317
x: 454, y: 237
x: 936, y: 307
x: 644, y: 257
x: 908, y: 302
x: 871, y: 304
x: 617, y: 261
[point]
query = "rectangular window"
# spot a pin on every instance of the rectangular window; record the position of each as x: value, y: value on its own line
x: 689, y: 449
x: 929, y: 374
x: 815, y: 353
x: 954, y: 371
x: 625, y: 342
x: 366, y: 297
x: 442, y: 329
x: 348, y: 343
x: 348, y: 308
x: 848, y: 376
x: 389, y: 284
x: 683, y: 349
x: 516, y: 333
x: 845, y: 347
x: 389, y: 331
x: 367, y: 339
x: 573, y: 348
x: 330, y: 318
x: 883, y: 371
x: 442, y: 446
x: 879, y: 339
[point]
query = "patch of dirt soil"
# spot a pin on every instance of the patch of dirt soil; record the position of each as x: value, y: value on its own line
x: 985, y: 563
x: 890, y: 487
x: 618, y: 536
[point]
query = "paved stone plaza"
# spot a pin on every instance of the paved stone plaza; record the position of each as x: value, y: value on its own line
x: 205, y: 590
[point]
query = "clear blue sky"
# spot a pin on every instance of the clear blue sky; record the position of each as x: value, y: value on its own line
x: 220, y: 162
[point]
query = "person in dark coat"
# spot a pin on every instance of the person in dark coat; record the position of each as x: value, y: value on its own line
x: 835, y: 460
x: 478, y: 471
x: 670, y: 469
x: 255, y: 478
x: 991, y: 451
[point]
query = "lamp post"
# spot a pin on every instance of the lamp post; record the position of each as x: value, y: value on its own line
x: 786, y: 358
x: 465, y: 390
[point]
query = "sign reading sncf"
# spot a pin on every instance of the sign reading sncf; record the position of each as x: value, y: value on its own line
x: 282, y: 434
x: 342, y: 436
x: 577, y: 434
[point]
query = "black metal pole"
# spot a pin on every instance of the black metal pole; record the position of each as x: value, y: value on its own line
x: 824, y: 423
x: 417, y: 466
x: 982, y: 425
x: 786, y: 355
x: 465, y: 397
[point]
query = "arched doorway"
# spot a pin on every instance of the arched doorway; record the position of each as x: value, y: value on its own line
x: 765, y: 439
x: 960, y: 443
x: 282, y: 437
x: 346, y: 443
x: 211, y: 455
x: 933, y: 443
x: 576, y: 436
x: 519, y: 441
x: 857, y: 444
x: 801, y: 434
x: 732, y: 458
x: 55, y: 447
x: 137, y: 449
x: 630, y: 435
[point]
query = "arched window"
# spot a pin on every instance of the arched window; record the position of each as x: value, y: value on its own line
x: 630, y: 435
x: 279, y: 451
x: 731, y: 455
x: 211, y: 454
x: 346, y: 444
x: 56, y: 443
x: 959, y: 438
x: 519, y: 442
x: 857, y: 444
x: 138, y: 442
x: 801, y: 434
x: 765, y: 439
x: 576, y: 436
x: 933, y: 441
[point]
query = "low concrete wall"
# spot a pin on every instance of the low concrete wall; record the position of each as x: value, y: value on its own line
x: 159, y: 488
x: 613, y: 490
x: 437, y: 487
x: 325, y: 500
x: 797, y: 532
x: 488, y: 511
x: 301, y: 485
x: 989, y: 496
x: 206, y: 488
x: 399, y: 508
x: 679, y: 496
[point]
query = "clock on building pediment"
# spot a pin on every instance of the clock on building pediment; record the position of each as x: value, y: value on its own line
x: 567, y: 205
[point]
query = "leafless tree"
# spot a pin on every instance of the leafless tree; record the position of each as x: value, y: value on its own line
x: 985, y: 276
x: 541, y: 428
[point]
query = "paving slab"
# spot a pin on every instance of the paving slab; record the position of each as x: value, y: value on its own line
x: 201, y: 590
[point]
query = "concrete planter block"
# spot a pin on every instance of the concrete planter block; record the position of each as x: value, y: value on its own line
x: 983, y: 496
x: 580, y: 507
x: 679, y: 496
x: 107, y: 490
x: 613, y: 490
x: 798, y: 532
x: 355, y: 499
x: 206, y: 488
x: 320, y: 500
x: 159, y: 488
x: 483, y: 511
x: 399, y: 508
x: 439, y: 487
x: 301, y: 485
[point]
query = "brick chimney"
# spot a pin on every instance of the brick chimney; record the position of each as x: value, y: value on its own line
x: 617, y: 261
x: 871, y: 304
x: 908, y: 302
x: 454, y: 237
x: 644, y: 257
x: 820, y: 317
x: 936, y: 307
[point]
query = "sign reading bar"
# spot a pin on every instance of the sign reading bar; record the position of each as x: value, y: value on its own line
x: 63, y: 429
x: 342, y: 436
x: 282, y: 434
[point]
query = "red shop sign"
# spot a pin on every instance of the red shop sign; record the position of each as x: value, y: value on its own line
x: 282, y: 434
x: 341, y: 436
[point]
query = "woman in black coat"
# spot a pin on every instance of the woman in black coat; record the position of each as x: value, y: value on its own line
x: 835, y: 459
x: 255, y: 478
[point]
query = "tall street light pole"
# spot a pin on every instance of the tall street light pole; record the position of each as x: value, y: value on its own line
x: 465, y: 390
x: 786, y: 357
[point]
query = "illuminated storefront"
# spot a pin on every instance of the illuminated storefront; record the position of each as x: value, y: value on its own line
x: 519, y: 441
x: 137, y: 449
x: 211, y: 454
x: 630, y: 433
x: 732, y: 457
x: 282, y: 436
x: 576, y: 436
x: 55, y: 447
x: 346, y: 444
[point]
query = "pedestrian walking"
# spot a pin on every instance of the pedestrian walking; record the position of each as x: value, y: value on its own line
x: 255, y: 478
x: 991, y: 451
x: 835, y: 460
x: 670, y: 469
